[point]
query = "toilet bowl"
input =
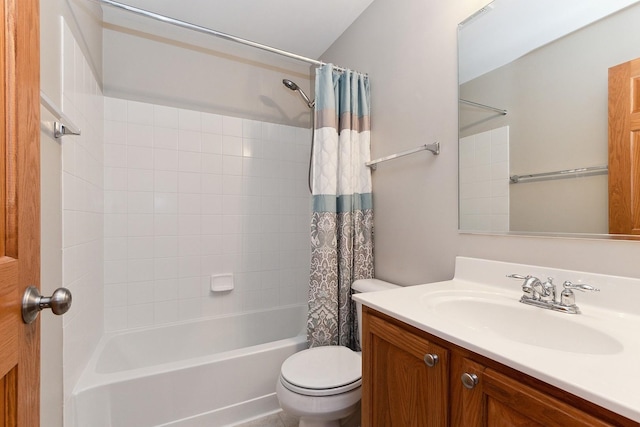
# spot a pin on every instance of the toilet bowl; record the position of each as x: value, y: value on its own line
x: 322, y: 385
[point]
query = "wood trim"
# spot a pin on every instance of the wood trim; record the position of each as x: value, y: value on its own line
x: 23, y: 193
x: 3, y: 135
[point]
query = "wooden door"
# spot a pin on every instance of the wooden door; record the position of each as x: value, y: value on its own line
x: 624, y: 148
x: 398, y: 388
x: 19, y: 210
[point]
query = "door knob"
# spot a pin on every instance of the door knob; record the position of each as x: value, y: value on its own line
x: 33, y: 303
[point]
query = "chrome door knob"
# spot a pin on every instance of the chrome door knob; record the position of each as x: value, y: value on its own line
x: 469, y: 380
x: 33, y: 303
x: 430, y: 359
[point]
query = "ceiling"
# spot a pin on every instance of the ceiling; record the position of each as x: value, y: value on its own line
x: 304, y: 27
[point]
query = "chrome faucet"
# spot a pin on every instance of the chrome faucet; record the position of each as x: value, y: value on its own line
x: 544, y: 294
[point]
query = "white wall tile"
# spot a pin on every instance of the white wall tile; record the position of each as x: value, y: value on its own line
x: 189, y: 204
x: 140, y: 315
x: 189, y: 161
x: 211, y: 123
x: 231, y: 126
x: 115, y: 178
x: 165, y: 159
x: 115, y: 109
x: 140, y: 293
x: 189, y: 140
x: 484, y: 180
x: 165, y: 246
x: 165, y: 138
x: 190, y: 120
x: 140, y: 157
x: 165, y: 225
x: 139, y: 225
x: 232, y: 146
x: 115, y: 133
x: 165, y: 117
x: 189, y: 182
x: 165, y: 181
x: 211, y: 163
x: 140, y: 180
x: 165, y: 203
x: 139, y: 113
x: 140, y: 202
x: 139, y: 247
x: 194, y: 194
x: 165, y: 268
x: 139, y: 135
x: 115, y: 156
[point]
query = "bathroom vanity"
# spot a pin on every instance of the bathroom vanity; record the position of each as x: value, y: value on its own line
x: 466, y: 352
x: 412, y: 378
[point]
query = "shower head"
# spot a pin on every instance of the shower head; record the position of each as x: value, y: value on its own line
x: 291, y: 85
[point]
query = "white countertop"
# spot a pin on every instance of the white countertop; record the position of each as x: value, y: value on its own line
x: 607, y: 376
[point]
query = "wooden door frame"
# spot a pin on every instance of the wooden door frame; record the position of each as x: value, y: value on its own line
x: 21, y: 197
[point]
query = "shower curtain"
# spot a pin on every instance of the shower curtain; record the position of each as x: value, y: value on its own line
x: 342, y: 220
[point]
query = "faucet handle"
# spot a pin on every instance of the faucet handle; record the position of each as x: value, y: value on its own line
x: 568, y: 299
x: 579, y: 286
x: 518, y: 276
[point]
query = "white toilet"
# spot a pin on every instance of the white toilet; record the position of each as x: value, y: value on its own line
x: 321, y: 385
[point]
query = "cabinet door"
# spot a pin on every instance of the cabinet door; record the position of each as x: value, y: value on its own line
x: 398, y: 387
x: 467, y: 402
x: 497, y: 400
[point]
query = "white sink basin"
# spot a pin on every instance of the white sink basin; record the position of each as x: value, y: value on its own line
x: 494, y: 313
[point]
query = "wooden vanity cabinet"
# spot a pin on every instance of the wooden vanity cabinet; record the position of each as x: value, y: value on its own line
x: 498, y: 400
x: 399, y: 389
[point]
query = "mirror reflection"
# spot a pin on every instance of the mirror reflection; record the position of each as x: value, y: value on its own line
x: 542, y: 166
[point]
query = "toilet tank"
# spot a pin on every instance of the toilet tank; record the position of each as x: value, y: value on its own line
x: 368, y: 285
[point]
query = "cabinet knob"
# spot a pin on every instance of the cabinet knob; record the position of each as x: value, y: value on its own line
x: 469, y: 380
x: 431, y: 359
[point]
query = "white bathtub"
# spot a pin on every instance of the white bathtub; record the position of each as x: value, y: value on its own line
x: 212, y: 372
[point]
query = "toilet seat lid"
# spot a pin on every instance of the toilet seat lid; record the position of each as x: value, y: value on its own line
x: 322, y: 368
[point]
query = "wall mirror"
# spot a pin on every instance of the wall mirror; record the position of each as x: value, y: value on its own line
x: 533, y: 84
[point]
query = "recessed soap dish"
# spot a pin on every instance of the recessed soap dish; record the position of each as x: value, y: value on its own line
x: 221, y: 282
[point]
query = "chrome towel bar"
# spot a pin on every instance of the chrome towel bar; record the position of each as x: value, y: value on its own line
x: 486, y: 107
x: 567, y: 173
x: 434, y: 148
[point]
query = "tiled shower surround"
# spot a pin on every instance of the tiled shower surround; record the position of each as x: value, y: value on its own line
x: 190, y: 194
x: 484, y: 181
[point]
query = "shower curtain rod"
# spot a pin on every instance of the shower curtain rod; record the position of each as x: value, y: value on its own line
x: 198, y: 28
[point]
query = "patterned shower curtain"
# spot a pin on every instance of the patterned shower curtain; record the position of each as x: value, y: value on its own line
x: 342, y: 221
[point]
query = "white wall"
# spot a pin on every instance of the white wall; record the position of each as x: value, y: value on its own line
x: 200, y: 72
x: 83, y: 220
x: 191, y: 194
x: 78, y: 14
x: 413, y: 71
